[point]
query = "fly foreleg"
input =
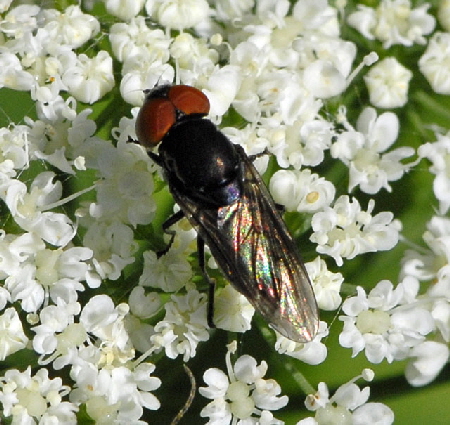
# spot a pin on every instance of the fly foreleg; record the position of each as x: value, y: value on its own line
x: 175, y: 218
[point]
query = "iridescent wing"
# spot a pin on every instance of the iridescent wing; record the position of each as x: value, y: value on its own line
x: 255, y: 251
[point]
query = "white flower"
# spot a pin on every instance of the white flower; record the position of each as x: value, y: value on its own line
x: 71, y: 28
x: 20, y: 20
x: 143, y: 305
x: 330, y: 56
x: 4, y: 5
x: 252, y: 141
x: 250, y: 58
x: 119, y: 393
x: 178, y: 14
x: 326, y: 284
x: 52, y: 138
x: 243, y: 396
x: 89, y: 79
x: 193, y: 54
x: 325, y: 79
x: 364, y: 20
x: 113, y: 245
x: 5, y: 298
x: 139, y: 333
x: 428, y: 360
x: 288, y: 94
x: 183, y: 326
x: 124, y: 10
x: 433, y: 63
x: 317, y: 15
x: 17, y: 268
x: 301, y: 191
x: 228, y: 10
x: 444, y: 14
x: 387, y: 323
x: 140, y: 73
x: 135, y: 38
x: 60, y: 272
x: 58, y: 336
x: 313, y: 352
x: 388, y: 83
x: 221, y: 87
x: 363, y: 151
x: 35, y: 273
x: 393, y: 22
x: 301, y: 144
x: 438, y: 153
x: 104, y: 321
x: 61, y: 136
x: 27, y: 399
x: 13, y: 149
x: 23, y: 287
x: 232, y: 311
x: 12, y: 74
x: 344, y: 230
x: 14, y: 250
x: 27, y: 207
x: 170, y: 272
x: 246, y: 102
x: 12, y: 336
x: 347, y: 405
x: 441, y: 313
x: 285, y: 93
x: 125, y: 191
x: 434, y: 263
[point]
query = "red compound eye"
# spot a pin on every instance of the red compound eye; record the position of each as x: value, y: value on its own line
x: 189, y: 100
x: 159, y: 111
x: 154, y: 120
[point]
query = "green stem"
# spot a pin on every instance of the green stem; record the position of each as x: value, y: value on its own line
x: 348, y: 289
x: 302, y: 382
x: 432, y: 104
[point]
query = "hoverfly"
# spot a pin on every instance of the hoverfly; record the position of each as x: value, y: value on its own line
x: 224, y: 198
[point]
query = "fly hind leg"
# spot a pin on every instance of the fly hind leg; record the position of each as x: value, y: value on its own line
x: 212, y: 283
x: 201, y: 261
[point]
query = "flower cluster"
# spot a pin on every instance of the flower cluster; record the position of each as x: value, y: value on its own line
x: 345, y: 231
x: 241, y: 395
x: 362, y: 151
x: 347, y: 405
x: 394, y: 22
x: 93, y: 294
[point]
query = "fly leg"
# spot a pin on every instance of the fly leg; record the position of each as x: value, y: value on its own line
x: 212, y: 283
x: 280, y: 208
x: 168, y: 223
x: 259, y: 155
x: 201, y: 261
x: 156, y: 158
